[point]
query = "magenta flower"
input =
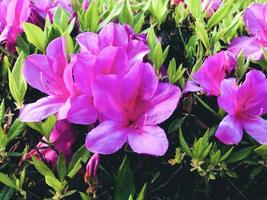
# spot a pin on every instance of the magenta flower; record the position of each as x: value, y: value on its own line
x: 61, y: 138
x: 13, y: 13
x: 131, y: 107
x: 255, y: 19
x: 114, y: 35
x: 92, y: 167
x: 210, y: 75
x: 244, y: 105
x: 52, y: 75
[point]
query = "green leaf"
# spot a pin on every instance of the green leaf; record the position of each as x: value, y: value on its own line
x: 195, y: 8
x: 61, y: 19
x: 220, y: 14
x: 75, y: 168
x: 142, y: 193
x: 81, y: 154
x: 22, y: 45
x: 256, y: 171
x: 61, y: 167
x: 84, y: 196
x: 7, y: 193
x: 6, y: 180
x: 71, y: 192
x: 184, y: 145
x: 175, y: 125
x: 42, y: 168
x: 16, y: 129
x: 17, y: 83
x: 91, y: 16
x: 240, y: 155
x: 2, y: 111
x: 126, y: 15
x: 35, y: 35
x: 54, y: 183
x: 124, y: 182
x: 262, y: 150
x: 227, y: 154
x: 202, y: 33
x: 139, y: 20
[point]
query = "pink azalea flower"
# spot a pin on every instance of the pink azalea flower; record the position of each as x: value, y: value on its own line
x: 115, y: 35
x: 92, y: 167
x: 255, y: 19
x: 244, y: 105
x: 210, y: 75
x: 131, y: 107
x: 52, y: 75
x: 13, y: 13
x: 61, y: 138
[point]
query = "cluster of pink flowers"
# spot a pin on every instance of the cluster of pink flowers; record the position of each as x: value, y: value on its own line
x: 107, y: 80
x: 244, y: 103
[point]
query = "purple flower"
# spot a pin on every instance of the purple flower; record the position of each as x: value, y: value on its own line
x: 52, y: 75
x: 61, y: 138
x: 131, y: 106
x: 210, y: 75
x: 255, y: 19
x: 13, y: 13
x: 210, y: 6
x: 114, y: 35
x: 244, y: 105
x: 92, y: 167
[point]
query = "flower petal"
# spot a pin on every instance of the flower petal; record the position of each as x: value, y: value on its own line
x: 192, y: 86
x: 88, y: 42
x: 136, y: 51
x: 150, y: 140
x: 113, y: 35
x: 227, y: 99
x: 108, y: 137
x: 251, y: 47
x: 229, y: 130
x: 41, y: 109
x: 79, y: 110
x: 163, y: 104
x: 252, y: 94
x: 255, y: 20
x: 257, y: 128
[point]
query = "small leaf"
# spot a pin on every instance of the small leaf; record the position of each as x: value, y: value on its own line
x: 35, y: 35
x: 54, y: 183
x: 42, y: 168
x: 195, y: 8
x: 240, y: 155
x: 61, y: 19
x: 81, y: 154
x: 175, y: 125
x: 2, y: 111
x: 91, y: 16
x: 7, y: 193
x: 124, y: 182
x: 84, y: 196
x: 16, y: 129
x: 184, y: 145
x: 6, y: 180
x: 61, y: 167
x: 126, y: 15
x: 262, y: 150
x: 142, y: 194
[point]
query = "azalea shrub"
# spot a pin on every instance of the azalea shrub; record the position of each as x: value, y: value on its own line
x: 133, y: 99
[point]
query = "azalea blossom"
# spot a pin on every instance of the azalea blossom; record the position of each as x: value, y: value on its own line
x: 52, y: 75
x: 13, y: 13
x: 244, y: 105
x: 210, y: 75
x: 61, y: 138
x: 131, y: 106
x: 255, y: 19
x: 92, y: 167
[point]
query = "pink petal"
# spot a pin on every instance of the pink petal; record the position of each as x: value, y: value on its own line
x: 227, y: 99
x: 83, y: 64
x: 41, y: 109
x: 36, y: 66
x: 257, y: 128
x: 88, y: 42
x: 113, y: 35
x: 163, y: 104
x: 111, y: 60
x: 56, y: 53
x: 79, y: 110
x: 255, y: 20
x: 108, y: 137
x: 251, y: 47
x: 107, y: 97
x: 140, y: 82
x: 229, y: 130
x: 136, y: 51
x: 150, y: 140
x: 192, y: 86
x: 252, y: 94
